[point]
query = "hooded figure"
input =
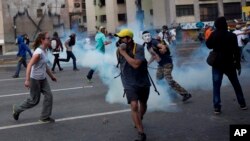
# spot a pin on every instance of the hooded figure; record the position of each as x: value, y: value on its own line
x: 21, y: 54
x: 227, y: 61
x: 225, y: 43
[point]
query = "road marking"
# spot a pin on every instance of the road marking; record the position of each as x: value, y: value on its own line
x: 56, y: 90
x: 88, y: 86
x: 65, y: 119
x: 11, y: 79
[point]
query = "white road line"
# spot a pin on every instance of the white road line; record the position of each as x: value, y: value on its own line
x: 65, y: 119
x: 56, y: 90
x: 12, y: 79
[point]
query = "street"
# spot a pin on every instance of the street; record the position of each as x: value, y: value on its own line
x: 83, y: 113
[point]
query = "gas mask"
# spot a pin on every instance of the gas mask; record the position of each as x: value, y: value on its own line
x: 147, y: 37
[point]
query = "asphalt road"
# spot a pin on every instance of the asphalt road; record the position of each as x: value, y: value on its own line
x: 82, y: 113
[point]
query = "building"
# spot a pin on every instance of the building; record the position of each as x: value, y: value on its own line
x: 32, y: 16
x: 161, y: 12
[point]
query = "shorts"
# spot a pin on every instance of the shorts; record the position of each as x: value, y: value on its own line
x: 136, y: 94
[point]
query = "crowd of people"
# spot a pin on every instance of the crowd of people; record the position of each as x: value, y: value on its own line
x: 135, y: 77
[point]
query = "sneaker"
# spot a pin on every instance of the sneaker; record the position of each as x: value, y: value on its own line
x: 61, y: 69
x: 47, y: 120
x: 75, y: 69
x: 15, y: 114
x: 15, y: 76
x: 217, y: 111
x: 243, y: 107
x: 89, y: 80
x: 186, y: 97
x: 141, y: 137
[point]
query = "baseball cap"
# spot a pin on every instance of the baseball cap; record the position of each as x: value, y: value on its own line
x: 125, y: 33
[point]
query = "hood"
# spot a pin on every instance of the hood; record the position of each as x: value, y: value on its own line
x: 221, y: 23
x: 20, y: 39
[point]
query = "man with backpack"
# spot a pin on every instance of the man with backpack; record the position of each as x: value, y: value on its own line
x: 69, y: 46
x: 56, y: 46
x: 134, y: 76
x: 161, y: 54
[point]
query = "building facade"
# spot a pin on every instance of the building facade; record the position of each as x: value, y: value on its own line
x: 32, y: 16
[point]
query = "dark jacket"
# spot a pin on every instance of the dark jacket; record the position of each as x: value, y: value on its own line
x: 225, y: 44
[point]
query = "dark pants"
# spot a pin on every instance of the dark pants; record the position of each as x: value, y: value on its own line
x: 70, y: 55
x: 19, y: 64
x: 56, y: 61
x: 217, y: 75
x: 90, y: 74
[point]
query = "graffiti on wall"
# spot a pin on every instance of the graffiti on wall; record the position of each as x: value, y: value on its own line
x: 189, y: 26
x: 35, y: 12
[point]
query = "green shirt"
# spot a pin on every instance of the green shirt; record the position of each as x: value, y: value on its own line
x: 100, y: 39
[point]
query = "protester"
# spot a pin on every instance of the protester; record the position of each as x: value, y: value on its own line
x: 101, y: 42
x: 227, y: 61
x: 161, y: 54
x: 164, y: 36
x: 56, y: 47
x: 37, y: 82
x: 240, y: 37
x: 208, y: 31
x: 134, y: 76
x: 21, y: 55
x: 69, y: 44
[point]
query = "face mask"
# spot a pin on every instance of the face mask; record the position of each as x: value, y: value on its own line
x: 146, y: 37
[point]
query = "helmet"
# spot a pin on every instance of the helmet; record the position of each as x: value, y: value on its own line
x: 125, y: 33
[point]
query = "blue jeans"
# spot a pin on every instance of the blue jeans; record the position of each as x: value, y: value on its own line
x: 70, y: 55
x: 217, y: 75
x: 21, y: 61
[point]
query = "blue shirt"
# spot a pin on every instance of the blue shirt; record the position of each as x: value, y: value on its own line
x: 100, y: 39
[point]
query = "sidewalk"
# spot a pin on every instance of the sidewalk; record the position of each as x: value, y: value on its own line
x: 8, y: 60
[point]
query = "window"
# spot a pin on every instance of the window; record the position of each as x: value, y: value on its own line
x: 208, y: 12
x: 77, y: 5
x: 184, y: 10
x: 103, y: 18
x: 122, y: 18
x: 151, y: 12
x: 63, y: 6
x: 101, y: 3
x: 232, y: 10
x: 39, y: 13
x: 120, y: 1
x: 84, y: 19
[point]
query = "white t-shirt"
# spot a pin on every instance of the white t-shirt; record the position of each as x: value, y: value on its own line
x: 38, y: 70
x: 239, y: 37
